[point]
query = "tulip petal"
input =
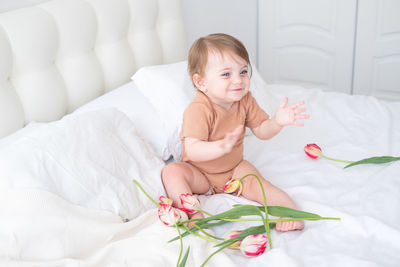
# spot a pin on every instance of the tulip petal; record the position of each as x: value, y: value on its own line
x: 168, y: 215
x: 239, y: 192
x: 233, y: 185
x: 182, y: 215
x: 229, y: 187
x: 190, y: 203
x: 165, y: 200
x: 231, y: 235
x: 254, y: 245
x: 313, y: 151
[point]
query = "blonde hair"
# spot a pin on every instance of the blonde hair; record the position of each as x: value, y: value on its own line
x: 216, y: 42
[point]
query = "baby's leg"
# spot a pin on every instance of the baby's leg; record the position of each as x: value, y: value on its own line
x: 182, y: 178
x: 274, y: 195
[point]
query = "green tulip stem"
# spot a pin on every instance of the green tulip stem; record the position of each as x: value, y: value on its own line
x: 196, y: 234
x: 280, y: 220
x: 207, y: 234
x: 147, y: 195
x: 338, y: 160
x: 205, y: 238
x: 181, y: 248
x: 266, y: 224
x: 187, y: 221
x: 205, y: 212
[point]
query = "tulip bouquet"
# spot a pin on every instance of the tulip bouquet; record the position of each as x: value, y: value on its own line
x: 315, y: 152
x: 251, y: 241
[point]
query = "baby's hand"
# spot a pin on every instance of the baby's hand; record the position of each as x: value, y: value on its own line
x: 231, y: 138
x: 289, y: 115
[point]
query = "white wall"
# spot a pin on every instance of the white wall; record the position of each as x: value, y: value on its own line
x: 6, y: 5
x: 234, y: 17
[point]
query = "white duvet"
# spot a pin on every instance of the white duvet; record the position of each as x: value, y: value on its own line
x: 88, y: 159
x: 69, y: 220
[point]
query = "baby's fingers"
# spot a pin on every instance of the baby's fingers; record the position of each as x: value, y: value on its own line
x: 284, y: 102
x: 297, y: 123
x: 300, y: 117
x: 238, y: 130
x: 300, y: 110
x: 229, y: 136
x: 296, y: 105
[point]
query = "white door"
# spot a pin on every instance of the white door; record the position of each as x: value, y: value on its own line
x: 377, y: 60
x: 307, y: 42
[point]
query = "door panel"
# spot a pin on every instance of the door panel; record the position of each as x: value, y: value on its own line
x: 377, y: 60
x: 308, y: 42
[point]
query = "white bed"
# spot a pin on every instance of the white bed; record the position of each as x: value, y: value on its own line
x: 66, y: 191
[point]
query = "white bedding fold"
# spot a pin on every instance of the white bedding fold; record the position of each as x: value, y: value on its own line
x: 89, y: 159
x: 45, y: 230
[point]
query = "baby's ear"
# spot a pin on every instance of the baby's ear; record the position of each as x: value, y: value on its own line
x: 199, y: 82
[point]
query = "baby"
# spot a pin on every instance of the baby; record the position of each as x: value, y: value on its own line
x: 213, y: 127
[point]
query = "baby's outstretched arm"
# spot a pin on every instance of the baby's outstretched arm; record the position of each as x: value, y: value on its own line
x: 198, y: 150
x: 284, y: 115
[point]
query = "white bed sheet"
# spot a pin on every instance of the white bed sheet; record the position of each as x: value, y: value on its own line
x: 366, y: 197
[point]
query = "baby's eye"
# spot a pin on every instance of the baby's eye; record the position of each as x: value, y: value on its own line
x: 226, y: 74
x: 244, y: 72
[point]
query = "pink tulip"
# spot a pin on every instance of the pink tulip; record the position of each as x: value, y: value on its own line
x: 182, y: 215
x: 168, y: 215
x: 231, y: 235
x: 165, y: 200
x: 253, y: 245
x: 233, y: 185
x: 313, y: 151
x: 190, y: 203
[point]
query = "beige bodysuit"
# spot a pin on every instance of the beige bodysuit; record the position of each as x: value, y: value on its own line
x: 208, y: 121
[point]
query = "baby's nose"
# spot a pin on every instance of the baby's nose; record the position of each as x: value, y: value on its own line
x: 237, y: 79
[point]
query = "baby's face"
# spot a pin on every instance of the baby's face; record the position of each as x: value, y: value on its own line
x: 225, y: 79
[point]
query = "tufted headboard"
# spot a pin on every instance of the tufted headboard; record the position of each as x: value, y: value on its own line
x: 56, y: 56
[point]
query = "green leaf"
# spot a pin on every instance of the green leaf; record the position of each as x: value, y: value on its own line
x: 373, y: 160
x: 183, y: 262
x: 239, y: 211
x: 280, y: 211
x: 234, y: 213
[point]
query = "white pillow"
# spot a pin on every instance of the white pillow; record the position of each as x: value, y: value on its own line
x: 89, y: 159
x: 169, y: 88
x: 129, y: 100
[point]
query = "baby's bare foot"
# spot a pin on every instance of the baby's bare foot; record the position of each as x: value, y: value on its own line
x: 289, y: 226
x: 197, y: 215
